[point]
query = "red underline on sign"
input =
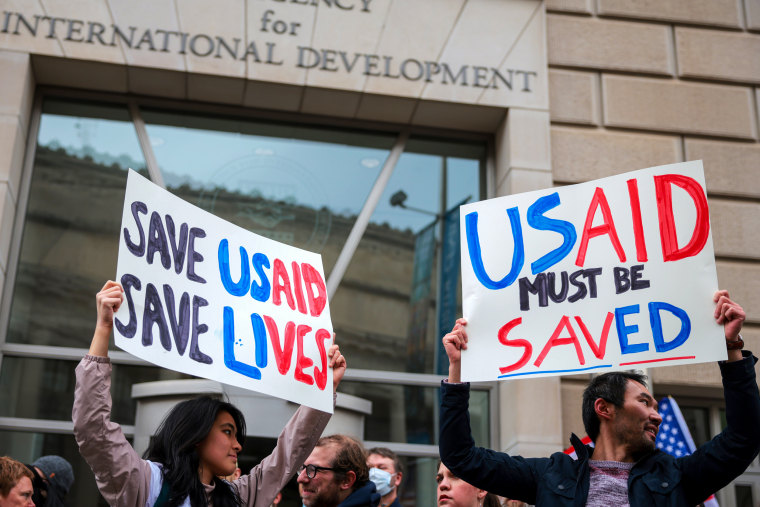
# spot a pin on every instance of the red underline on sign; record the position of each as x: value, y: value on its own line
x: 658, y: 360
x: 554, y: 371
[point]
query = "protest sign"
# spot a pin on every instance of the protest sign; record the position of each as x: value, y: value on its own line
x: 208, y: 298
x: 612, y: 274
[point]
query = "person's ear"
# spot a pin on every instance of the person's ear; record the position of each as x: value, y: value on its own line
x: 399, y: 476
x: 604, y: 409
x: 349, y: 480
x: 482, y: 494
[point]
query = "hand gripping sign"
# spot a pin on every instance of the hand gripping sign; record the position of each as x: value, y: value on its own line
x: 208, y: 298
x: 612, y: 274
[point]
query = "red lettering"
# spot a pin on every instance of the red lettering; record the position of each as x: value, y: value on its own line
x: 311, y: 277
x: 282, y: 354
x: 298, y: 289
x: 281, y: 283
x: 503, y: 332
x: 555, y: 340
x: 638, y: 228
x: 598, y: 350
x: 302, y: 362
x: 320, y: 375
x: 608, y: 227
x: 668, y: 237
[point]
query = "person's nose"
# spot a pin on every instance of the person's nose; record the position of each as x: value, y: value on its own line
x: 236, y: 446
x: 656, y: 417
x: 302, y: 477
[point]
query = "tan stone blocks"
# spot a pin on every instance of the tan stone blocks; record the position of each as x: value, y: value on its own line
x: 523, y: 147
x: 752, y: 9
x: 508, y: 35
x: 731, y: 168
x: 582, y: 154
x: 572, y: 406
x: 355, y: 32
x: 285, y: 26
x: 157, y: 82
x: 12, y: 148
x: 741, y: 279
x: 206, y: 24
x: 721, y: 55
x: 735, y: 227
x: 605, y: 44
x: 574, y: 97
x: 702, y: 375
x: 272, y: 96
x: 654, y: 104
x: 402, y: 34
x: 215, y: 88
x: 7, y: 218
x: 18, y: 36
x: 16, y: 86
x: 150, y: 14
x: 707, y: 12
x: 519, y: 180
x: 464, y: 117
x: 385, y: 108
x: 529, y: 139
x: 72, y: 31
x: 583, y: 6
x: 80, y: 74
x: 327, y: 102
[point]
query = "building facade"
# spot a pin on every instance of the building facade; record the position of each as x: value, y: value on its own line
x: 355, y: 128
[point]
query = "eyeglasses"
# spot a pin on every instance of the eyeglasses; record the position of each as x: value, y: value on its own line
x: 311, y: 470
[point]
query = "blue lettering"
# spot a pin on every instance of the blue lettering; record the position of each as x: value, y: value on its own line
x: 260, y: 337
x: 229, y: 348
x: 241, y: 287
x: 476, y: 258
x: 538, y: 221
x: 624, y: 331
x: 261, y: 292
x: 654, y: 318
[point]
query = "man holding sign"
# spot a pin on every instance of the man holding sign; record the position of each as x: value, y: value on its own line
x: 620, y: 415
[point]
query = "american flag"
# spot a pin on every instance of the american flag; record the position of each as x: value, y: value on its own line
x: 674, y: 437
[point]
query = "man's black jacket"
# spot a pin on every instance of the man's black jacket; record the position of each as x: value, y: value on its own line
x: 658, y: 479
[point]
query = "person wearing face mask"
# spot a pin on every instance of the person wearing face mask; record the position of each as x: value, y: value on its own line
x: 386, y: 471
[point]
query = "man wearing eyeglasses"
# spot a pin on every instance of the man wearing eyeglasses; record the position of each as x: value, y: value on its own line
x: 336, y: 475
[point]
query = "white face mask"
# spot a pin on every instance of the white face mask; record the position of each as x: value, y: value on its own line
x: 382, y: 480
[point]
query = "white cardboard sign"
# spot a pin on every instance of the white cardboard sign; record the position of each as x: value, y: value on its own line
x: 617, y: 273
x: 208, y: 298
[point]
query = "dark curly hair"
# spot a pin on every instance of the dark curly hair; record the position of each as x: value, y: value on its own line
x: 175, y: 447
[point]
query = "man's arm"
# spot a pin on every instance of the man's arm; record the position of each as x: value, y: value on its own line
x: 719, y: 461
x: 731, y: 315
x: 493, y: 471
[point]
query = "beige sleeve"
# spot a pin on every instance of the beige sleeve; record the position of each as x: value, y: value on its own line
x: 122, y: 477
x: 294, y: 445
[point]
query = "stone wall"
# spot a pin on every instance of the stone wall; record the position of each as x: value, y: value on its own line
x: 634, y: 84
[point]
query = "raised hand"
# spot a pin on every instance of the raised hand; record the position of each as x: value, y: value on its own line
x: 337, y: 363
x: 454, y: 343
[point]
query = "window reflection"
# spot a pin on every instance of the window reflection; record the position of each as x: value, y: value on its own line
x: 44, y: 388
x: 303, y: 186
x: 387, y: 312
x: 69, y: 245
x: 698, y: 421
x: 394, y: 420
